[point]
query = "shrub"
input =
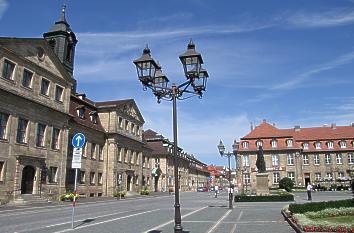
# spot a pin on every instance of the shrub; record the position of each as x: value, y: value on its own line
x: 318, y: 206
x: 269, y: 198
x: 286, y: 183
x: 145, y: 191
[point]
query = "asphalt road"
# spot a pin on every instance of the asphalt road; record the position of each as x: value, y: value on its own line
x: 201, y: 213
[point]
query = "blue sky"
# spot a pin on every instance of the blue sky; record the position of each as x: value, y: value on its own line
x: 289, y: 62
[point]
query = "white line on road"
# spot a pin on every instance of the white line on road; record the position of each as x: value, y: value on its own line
x: 171, y: 221
x: 219, y: 221
x: 239, y: 217
x: 233, y: 230
x: 110, y: 220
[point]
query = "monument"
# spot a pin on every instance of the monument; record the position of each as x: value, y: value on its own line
x: 262, y: 187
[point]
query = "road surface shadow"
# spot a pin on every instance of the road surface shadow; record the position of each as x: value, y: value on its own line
x: 86, y: 221
x: 158, y: 231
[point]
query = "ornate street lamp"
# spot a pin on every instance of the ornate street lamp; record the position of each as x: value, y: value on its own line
x: 150, y: 75
x: 222, y: 152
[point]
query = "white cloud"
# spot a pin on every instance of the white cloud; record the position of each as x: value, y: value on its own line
x: 332, y: 18
x: 3, y: 7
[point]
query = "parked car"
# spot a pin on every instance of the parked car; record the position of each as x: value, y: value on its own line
x: 202, y: 189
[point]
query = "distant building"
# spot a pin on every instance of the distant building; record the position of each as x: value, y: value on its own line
x: 321, y: 155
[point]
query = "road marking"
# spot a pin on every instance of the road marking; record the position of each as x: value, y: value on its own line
x: 79, y: 220
x: 110, y: 220
x: 239, y: 217
x: 171, y: 221
x: 233, y: 230
x: 219, y: 221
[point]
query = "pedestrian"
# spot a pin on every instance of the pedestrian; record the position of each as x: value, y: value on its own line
x: 309, y: 189
x: 216, y: 191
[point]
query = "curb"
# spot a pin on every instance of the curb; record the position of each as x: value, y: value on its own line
x: 291, y: 223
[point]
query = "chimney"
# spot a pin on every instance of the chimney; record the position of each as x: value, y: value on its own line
x: 333, y: 126
x: 264, y: 120
x: 325, y: 125
x: 81, y: 96
x: 251, y: 126
x: 352, y: 124
x: 274, y: 124
x: 297, y: 128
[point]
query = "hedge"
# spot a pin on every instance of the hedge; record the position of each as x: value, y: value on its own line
x: 268, y: 198
x: 318, y: 206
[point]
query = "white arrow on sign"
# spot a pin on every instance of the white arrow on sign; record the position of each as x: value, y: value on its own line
x: 78, y: 139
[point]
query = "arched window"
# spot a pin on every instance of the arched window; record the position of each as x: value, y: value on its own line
x: 330, y: 145
x: 343, y: 144
x: 274, y: 143
x: 318, y: 145
x: 305, y: 146
x: 259, y: 143
x: 245, y: 145
x: 289, y: 143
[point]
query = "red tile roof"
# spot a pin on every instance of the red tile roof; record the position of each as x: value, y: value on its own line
x: 267, y: 133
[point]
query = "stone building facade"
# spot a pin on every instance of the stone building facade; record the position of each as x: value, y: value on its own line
x: 192, y: 172
x: 320, y: 155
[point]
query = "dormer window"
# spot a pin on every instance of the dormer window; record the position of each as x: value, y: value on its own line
x: 274, y: 143
x: 93, y: 117
x: 305, y: 146
x: 81, y: 111
x: 259, y: 143
x: 330, y: 145
x: 343, y: 144
x: 289, y: 143
x: 318, y: 145
x: 245, y: 145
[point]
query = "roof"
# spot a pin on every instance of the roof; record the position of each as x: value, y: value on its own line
x: 75, y: 103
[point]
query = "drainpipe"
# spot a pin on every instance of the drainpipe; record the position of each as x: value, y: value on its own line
x: 107, y: 143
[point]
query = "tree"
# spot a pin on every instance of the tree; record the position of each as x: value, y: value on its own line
x: 286, y: 183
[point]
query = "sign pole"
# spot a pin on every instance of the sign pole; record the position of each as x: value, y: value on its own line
x: 74, y: 201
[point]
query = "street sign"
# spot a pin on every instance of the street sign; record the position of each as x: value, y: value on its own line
x: 78, y: 140
x: 77, y: 154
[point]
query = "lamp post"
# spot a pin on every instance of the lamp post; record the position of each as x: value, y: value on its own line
x: 151, y: 76
x: 222, y: 152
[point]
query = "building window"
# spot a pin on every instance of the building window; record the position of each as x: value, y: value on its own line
x: 92, y: 178
x: 100, y: 152
x: 2, y: 171
x: 245, y: 145
x: 126, y: 157
x: 339, y: 158
x: 21, y: 131
x: 259, y: 143
x: 289, y: 143
x: 82, y: 177
x: 329, y: 176
x: 45, y: 87
x: 133, y: 128
x: 276, y: 177
x: 93, y: 116
x: 100, y: 178
x: 316, y: 159
x: 84, y: 147
x: 305, y: 159
x: 8, y: 70
x: 305, y: 146
x: 330, y: 145
x: 138, y: 130
x: 59, y: 93
x: 327, y: 158
x: 81, y: 112
x: 40, y: 135
x: 3, y: 125
x: 127, y: 124
x: 53, y: 174
x: 291, y: 176
x: 93, y: 151
x: 120, y: 154
x: 246, y: 160
x: 317, y: 176
x: 55, y: 138
x: 350, y: 158
x: 120, y: 123
x: 27, y: 78
x: 275, y: 160
x: 343, y: 144
x: 290, y: 159
x: 246, y: 178
x: 318, y: 145
x: 274, y: 143
x: 340, y: 174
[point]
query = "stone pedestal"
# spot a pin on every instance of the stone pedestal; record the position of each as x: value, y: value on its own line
x: 262, y: 184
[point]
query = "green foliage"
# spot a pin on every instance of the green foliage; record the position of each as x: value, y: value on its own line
x: 145, y: 191
x: 267, y: 198
x: 68, y: 197
x: 120, y: 194
x: 286, y: 183
x: 318, y: 206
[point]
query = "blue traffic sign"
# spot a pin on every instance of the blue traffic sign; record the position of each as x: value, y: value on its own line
x: 78, y: 140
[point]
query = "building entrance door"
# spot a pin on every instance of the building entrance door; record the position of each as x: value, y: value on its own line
x: 156, y: 184
x: 307, y: 178
x: 27, y: 180
x: 129, y: 182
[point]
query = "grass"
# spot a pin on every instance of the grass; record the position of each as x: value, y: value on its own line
x: 338, y: 219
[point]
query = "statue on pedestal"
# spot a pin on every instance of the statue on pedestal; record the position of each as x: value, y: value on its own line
x: 260, y: 163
